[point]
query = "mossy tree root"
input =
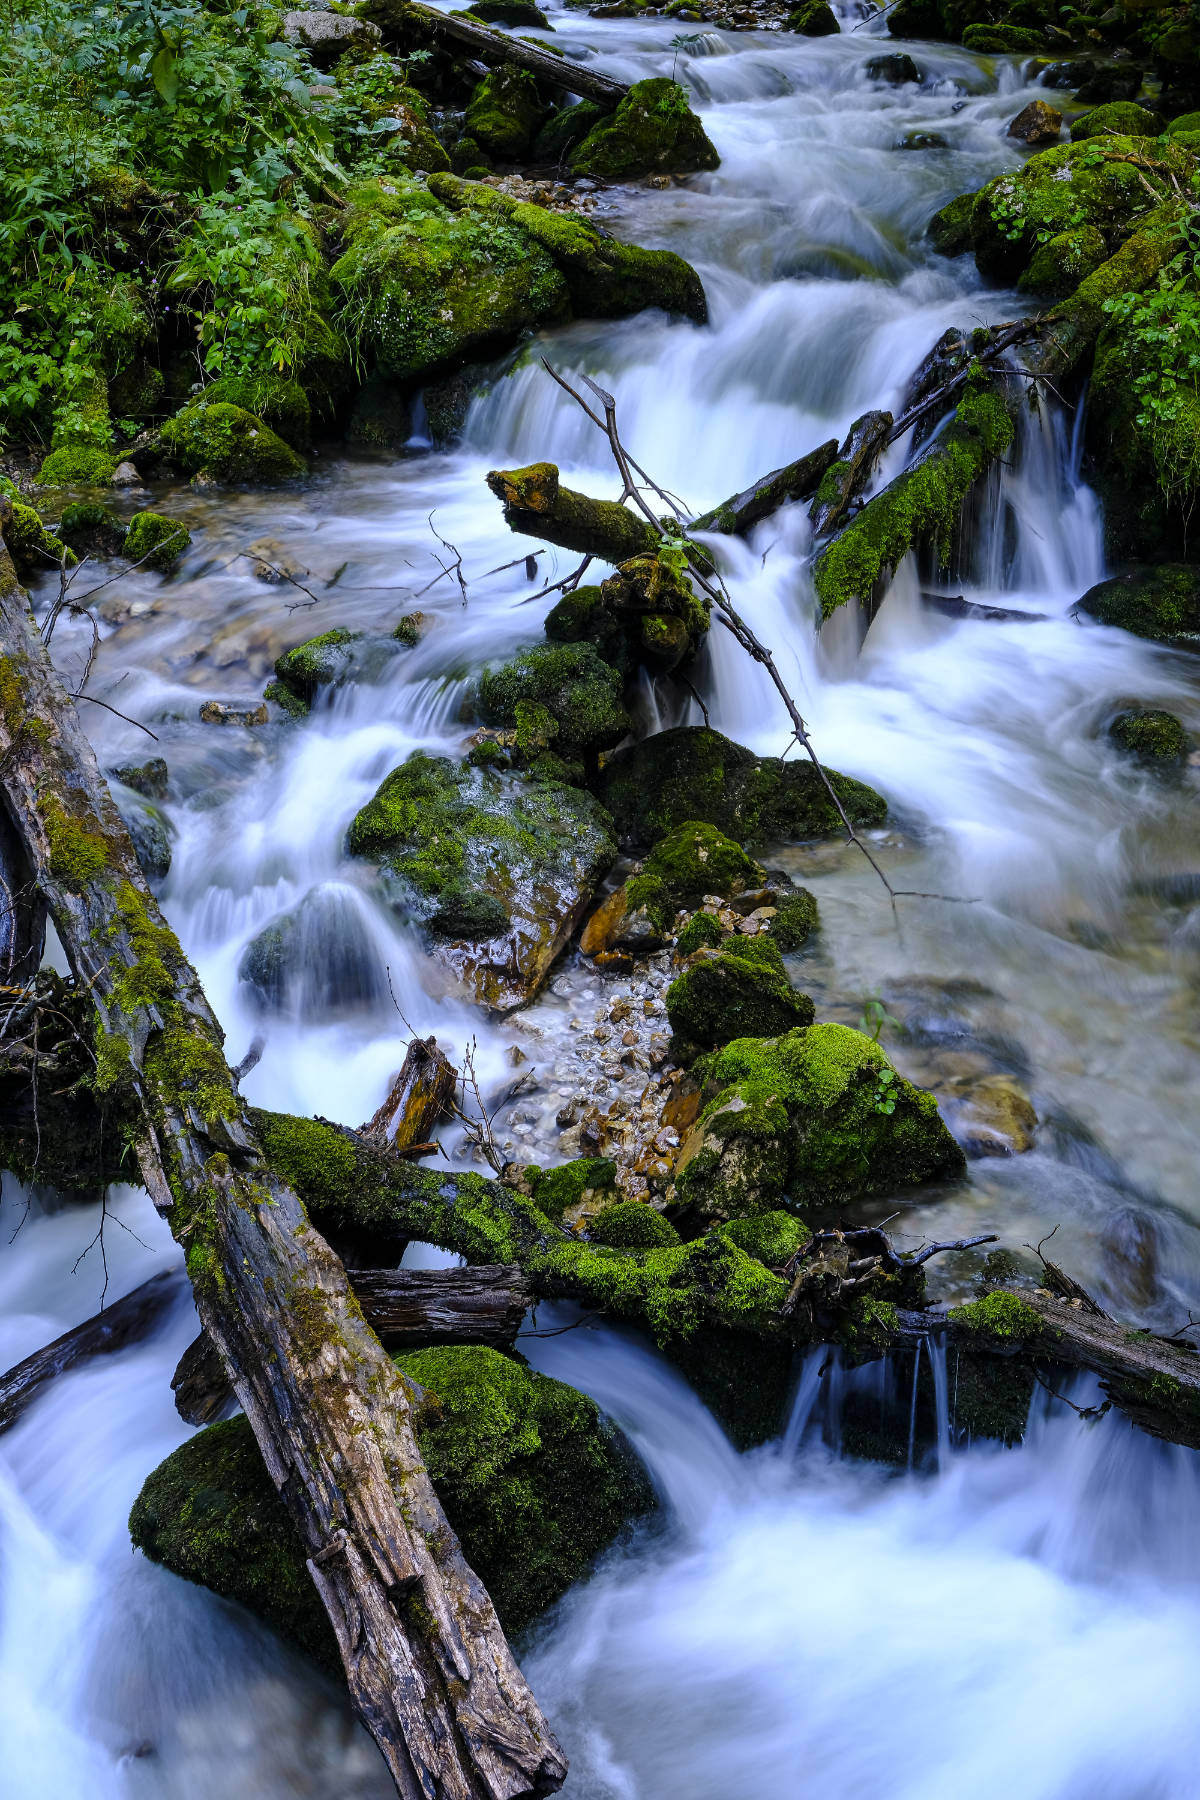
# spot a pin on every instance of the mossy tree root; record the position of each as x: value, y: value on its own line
x: 428, y: 1667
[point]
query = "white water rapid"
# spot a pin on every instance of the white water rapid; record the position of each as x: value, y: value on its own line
x: 793, y: 1624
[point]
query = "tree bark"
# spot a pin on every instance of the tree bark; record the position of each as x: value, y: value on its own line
x: 118, y: 1326
x: 408, y: 1309
x: 417, y: 1099
x: 428, y: 1667
x: 795, y: 481
x: 538, y: 506
x: 845, y: 479
x: 495, y: 47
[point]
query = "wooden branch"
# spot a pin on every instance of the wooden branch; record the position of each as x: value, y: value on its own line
x: 417, y: 1099
x: 795, y: 481
x: 845, y: 479
x: 536, y: 504
x: 496, y: 47
x: 119, y: 1325
x: 408, y: 1309
x: 428, y: 1667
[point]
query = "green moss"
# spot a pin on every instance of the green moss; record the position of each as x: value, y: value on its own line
x: 991, y: 1395
x: 566, y: 128
x: 687, y: 864
x: 870, y: 1325
x: 155, y: 541
x: 150, y: 978
x: 316, y: 663
x: 278, y: 400
x: 772, y: 1238
x: 558, y: 1190
x: 693, y: 774
x: 701, y: 932
x: 922, y: 505
x: 570, y: 686
x: 505, y: 113
x: 1151, y: 736
x: 1062, y: 262
x: 78, y: 851
x: 735, y: 993
x: 424, y: 287
x: 1001, y: 40
x: 1160, y: 603
x: 185, y: 1065
x: 652, y: 131
x: 796, y: 918
x: 816, y: 18
x: 1120, y: 118
x: 229, y: 444
x: 33, y: 549
x: 77, y: 465
x: 315, y: 1159
x: 632, y: 1225
x: 949, y: 230
x: 1002, y: 1316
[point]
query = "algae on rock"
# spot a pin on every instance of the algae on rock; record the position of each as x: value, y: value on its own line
x: 652, y: 132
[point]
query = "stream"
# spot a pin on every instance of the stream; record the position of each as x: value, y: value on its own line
x: 792, y: 1623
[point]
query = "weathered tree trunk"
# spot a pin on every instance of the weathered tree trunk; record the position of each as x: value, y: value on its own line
x: 408, y: 1309
x: 425, y: 22
x: 118, y: 1326
x: 417, y: 1099
x: 428, y: 1667
x: 795, y: 481
x: 846, y: 478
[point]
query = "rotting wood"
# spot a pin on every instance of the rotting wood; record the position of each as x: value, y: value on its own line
x: 495, y: 47
x: 795, y: 481
x: 123, y: 1323
x: 537, y: 505
x: 408, y: 1309
x: 427, y: 1665
x: 418, y: 1098
x: 849, y: 474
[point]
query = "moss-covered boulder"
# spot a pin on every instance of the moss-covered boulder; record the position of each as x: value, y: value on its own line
x: 1061, y: 263
x: 685, y: 866
x: 1160, y: 603
x: 278, y: 400
x: 155, y: 541
x: 1151, y: 736
x: 796, y: 918
x: 32, y: 547
x: 426, y: 286
x: 816, y: 18
x: 499, y: 871
x: 702, y: 932
x: 581, y: 617
x: 77, y: 465
x: 652, y: 132
x: 663, y: 619
x: 566, y: 128
x: 1093, y: 183
x: 222, y: 441
x: 692, y: 773
x: 505, y: 113
x: 91, y: 529
x: 605, y: 279
x: 534, y: 1482
x: 949, y: 230
x: 558, y: 697
x: 319, y: 662
x: 632, y: 1225
x: 738, y: 991
x: 511, y: 12
x: 817, y: 1116
x: 1121, y: 118
x: 1001, y: 40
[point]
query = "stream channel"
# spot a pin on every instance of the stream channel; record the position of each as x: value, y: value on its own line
x: 1011, y: 1624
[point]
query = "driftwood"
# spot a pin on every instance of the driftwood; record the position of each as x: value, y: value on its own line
x: 427, y: 1665
x: 118, y: 1326
x: 795, y: 481
x: 846, y: 478
x: 417, y: 1099
x: 408, y: 1309
x: 495, y: 47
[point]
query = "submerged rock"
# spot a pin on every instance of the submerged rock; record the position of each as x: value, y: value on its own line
x: 316, y: 958
x: 148, y: 830
x: 819, y: 1116
x: 499, y: 870
x: 653, y: 131
x: 896, y: 69
x: 694, y: 774
x: 1152, y: 736
x: 319, y: 662
x: 1038, y: 123
x: 534, y: 1481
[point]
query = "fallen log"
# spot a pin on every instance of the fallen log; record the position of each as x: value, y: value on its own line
x: 846, y: 477
x: 408, y: 1309
x: 424, y: 23
x: 537, y: 505
x: 427, y: 1665
x: 119, y: 1325
x: 795, y: 481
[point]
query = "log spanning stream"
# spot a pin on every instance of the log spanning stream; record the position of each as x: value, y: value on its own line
x: 793, y: 1623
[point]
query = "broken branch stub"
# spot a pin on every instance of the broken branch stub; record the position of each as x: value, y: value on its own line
x: 427, y: 1665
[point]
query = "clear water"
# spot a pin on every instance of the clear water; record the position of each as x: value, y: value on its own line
x: 793, y: 1624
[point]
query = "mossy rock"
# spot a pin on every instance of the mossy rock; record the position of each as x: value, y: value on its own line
x: 77, y: 465
x: 428, y: 287
x: 511, y: 12
x: 229, y: 444
x: 1185, y: 126
x: 148, y: 833
x: 687, y: 864
x: 818, y: 1116
x: 1120, y: 118
x: 662, y: 616
x: 155, y: 541
x: 557, y: 696
x: 605, y: 279
x: 702, y: 932
x: 582, y: 618
x: 318, y: 662
x: 566, y: 128
x: 632, y: 1225
x: 534, y: 1482
x: 692, y: 773
x: 796, y: 918
x: 740, y: 991
x: 443, y: 833
x: 1001, y: 40
x: 34, y: 550
x: 91, y: 529
x: 278, y: 400
x: 816, y: 18
x: 652, y: 132
x: 1059, y: 265
x: 1151, y: 736
x: 505, y: 113
x: 1146, y: 465
x: 949, y: 231
x: 1093, y: 183
x: 1160, y: 603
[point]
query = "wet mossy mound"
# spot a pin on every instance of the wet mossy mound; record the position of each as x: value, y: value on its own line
x: 691, y: 862
x: 533, y: 1480
x: 739, y: 991
x: 226, y: 443
x: 1160, y: 603
x: 300, y: 673
x: 155, y: 541
x: 1150, y: 736
x: 652, y: 132
x: 558, y: 697
x: 693, y: 774
x: 814, y: 1117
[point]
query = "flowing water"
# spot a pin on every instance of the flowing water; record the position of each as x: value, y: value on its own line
x: 792, y: 1622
